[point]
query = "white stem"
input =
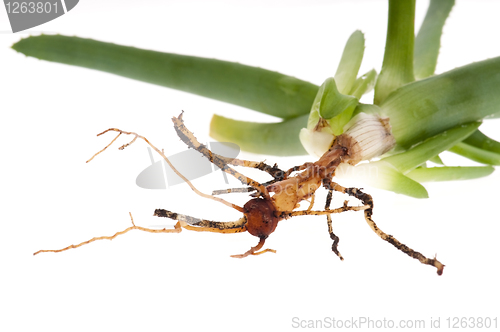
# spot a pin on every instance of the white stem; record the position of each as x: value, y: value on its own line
x: 369, y: 135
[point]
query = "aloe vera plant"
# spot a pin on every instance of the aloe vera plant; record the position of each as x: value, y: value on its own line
x: 427, y: 113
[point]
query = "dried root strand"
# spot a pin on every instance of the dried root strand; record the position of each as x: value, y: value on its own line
x: 334, y: 237
x: 245, y: 189
x: 220, y: 200
x: 119, y: 134
x: 183, y: 221
x: 177, y: 229
x: 190, y: 140
x: 368, y: 201
x: 274, y: 171
x: 311, y: 203
x: 344, y: 208
x: 203, y: 225
x: 232, y: 191
x: 254, y: 250
x: 297, y: 168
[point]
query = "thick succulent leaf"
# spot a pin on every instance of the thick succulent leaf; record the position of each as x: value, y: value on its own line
x: 279, y: 139
x: 333, y: 106
x: 397, y: 67
x: 366, y: 108
x: 448, y: 173
x: 431, y: 147
x: 350, y: 62
x: 494, y: 116
x: 380, y: 174
x: 436, y: 160
x: 332, y: 102
x: 480, y: 140
x: 480, y: 148
x: 364, y: 84
x: 425, y: 108
x: 251, y: 87
x: 428, y: 39
x: 477, y: 154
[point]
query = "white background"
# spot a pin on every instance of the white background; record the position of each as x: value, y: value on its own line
x: 50, y: 114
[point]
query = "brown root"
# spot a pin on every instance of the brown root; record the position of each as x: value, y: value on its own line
x: 220, y: 200
x: 368, y: 201
x: 255, y: 250
x: 203, y: 225
x: 177, y: 229
x: 334, y: 237
x: 190, y: 140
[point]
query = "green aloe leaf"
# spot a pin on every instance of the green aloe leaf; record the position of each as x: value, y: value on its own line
x: 436, y: 160
x: 334, y: 106
x: 366, y: 108
x: 447, y: 173
x: 480, y: 140
x: 431, y: 147
x: 251, y: 87
x: 397, y: 67
x: 480, y: 148
x: 279, y: 139
x: 477, y: 154
x: 428, y: 39
x: 350, y: 62
x: 494, y: 116
x: 364, y: 84
x: 332, y: 102
x: 425, y: 108
x: 383, y: 175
